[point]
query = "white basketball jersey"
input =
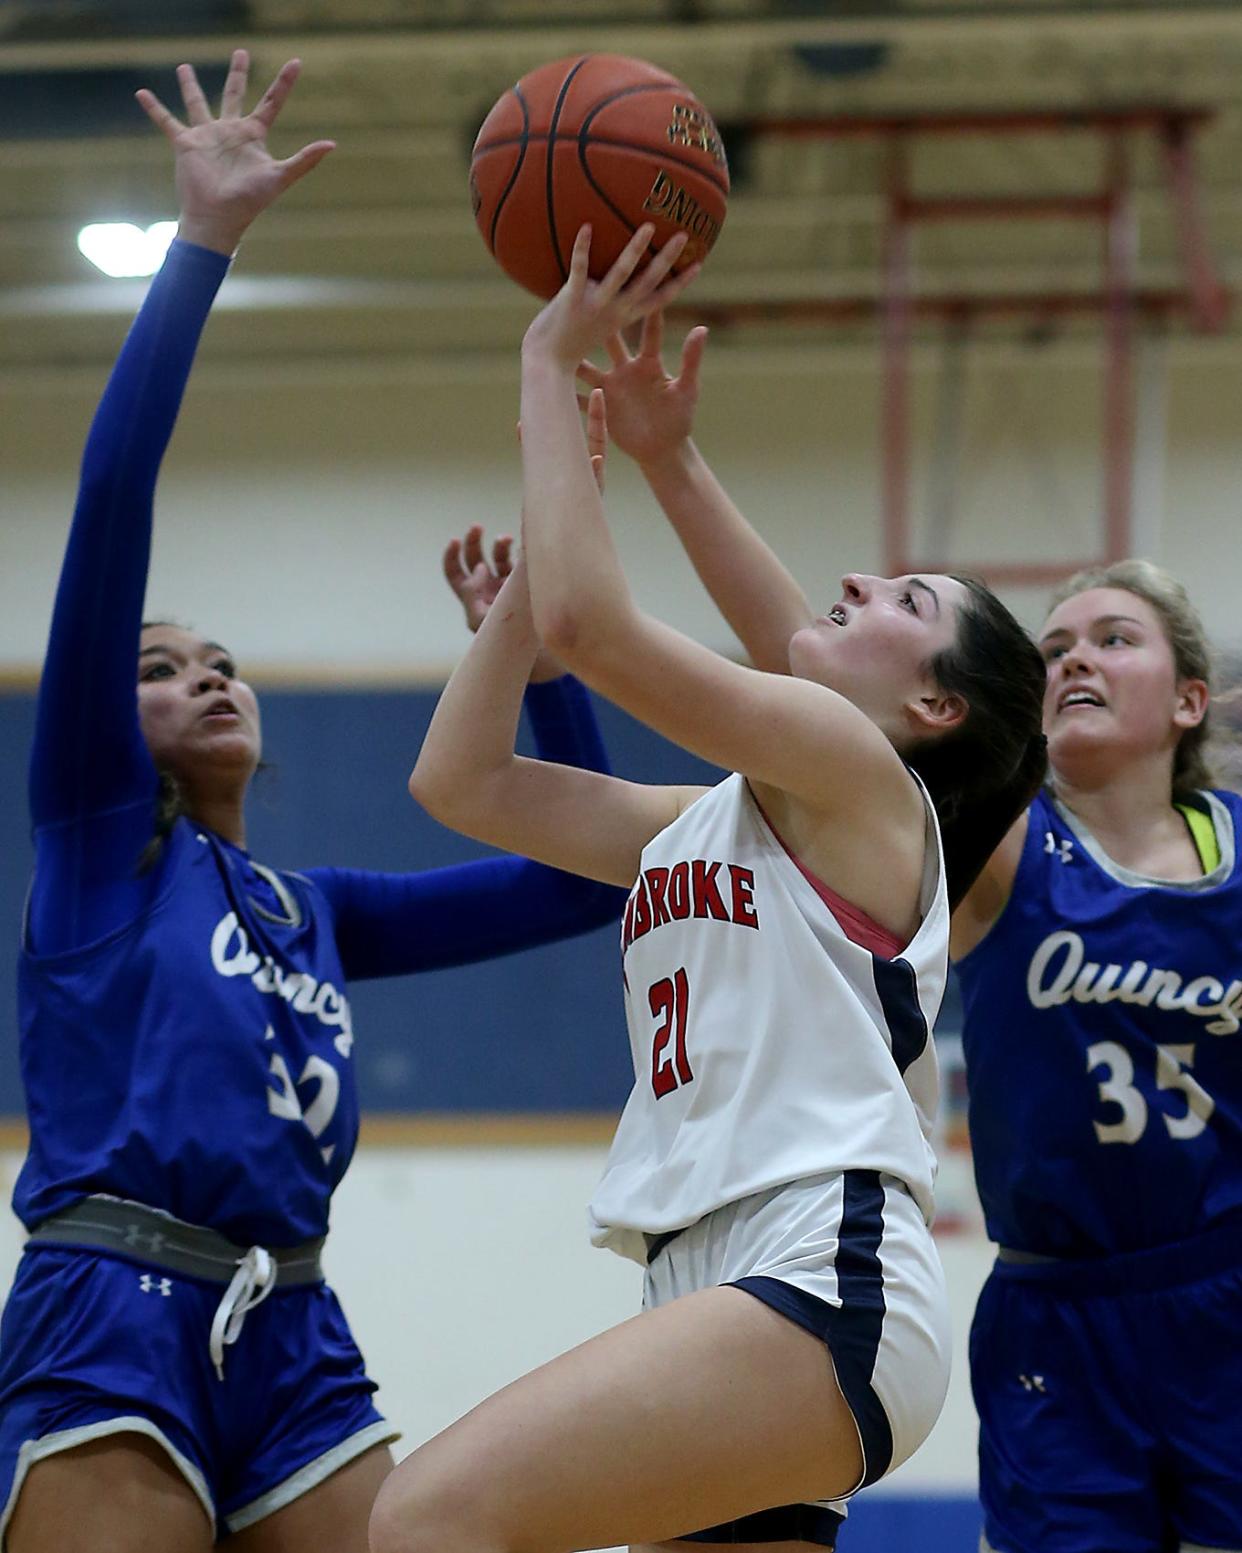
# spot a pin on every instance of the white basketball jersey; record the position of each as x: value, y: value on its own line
x: 767, y: 1044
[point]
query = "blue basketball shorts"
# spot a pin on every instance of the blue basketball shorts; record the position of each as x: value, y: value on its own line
x: 93, y: 1345
x: 1110, y: 1402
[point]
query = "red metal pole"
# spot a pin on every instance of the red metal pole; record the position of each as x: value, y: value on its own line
x: 895, y: 407
x: 1119, y: 300
x: 1120, y: 256
x: 1023, y: 574
x: 1027, y: 207
x: 1208, y: 303
x: 839, y: 126
x: 1039, y: 305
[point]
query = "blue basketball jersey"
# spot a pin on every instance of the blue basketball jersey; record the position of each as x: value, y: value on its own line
x: 199, y: 1058
x: 185, y: 1032
x: 1102, y: 1044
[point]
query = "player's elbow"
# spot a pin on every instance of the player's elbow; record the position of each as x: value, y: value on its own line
x: 561, y: 629
x: 455, y: 796
x: 582, y: 638
x: 431, y: 786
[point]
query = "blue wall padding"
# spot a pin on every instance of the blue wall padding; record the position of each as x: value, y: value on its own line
x: 899, y: 1523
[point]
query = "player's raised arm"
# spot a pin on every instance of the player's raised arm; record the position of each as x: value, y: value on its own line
x: 89, y: 757
x: 651, y: 417
x: 791, y: 732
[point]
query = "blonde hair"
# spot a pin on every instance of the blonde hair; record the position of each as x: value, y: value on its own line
x: 1193, y: 766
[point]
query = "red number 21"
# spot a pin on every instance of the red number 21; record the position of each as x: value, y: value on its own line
x: 669, y: 1001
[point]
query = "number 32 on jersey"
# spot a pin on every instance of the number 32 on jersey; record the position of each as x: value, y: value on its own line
x: 284, y: 1100
x: 669, y: 1002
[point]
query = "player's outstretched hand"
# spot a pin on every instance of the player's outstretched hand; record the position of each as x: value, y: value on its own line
x: 225, y: 174
x: 650, y: 414
x: 474, y: 578
x: 585, y: 313
x: 477, y: 581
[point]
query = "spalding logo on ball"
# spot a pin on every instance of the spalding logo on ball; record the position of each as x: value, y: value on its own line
x: 601, y: 139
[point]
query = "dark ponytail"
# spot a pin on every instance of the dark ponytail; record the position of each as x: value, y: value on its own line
x: 983, y: 775
x: 169, y: 804
x: 169, y: 807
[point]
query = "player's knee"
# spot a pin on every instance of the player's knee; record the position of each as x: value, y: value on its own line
x: 393, y: 1525
x: 422, y: 1510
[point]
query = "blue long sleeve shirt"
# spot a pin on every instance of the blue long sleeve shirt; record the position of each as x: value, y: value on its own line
x: 186, y: 1032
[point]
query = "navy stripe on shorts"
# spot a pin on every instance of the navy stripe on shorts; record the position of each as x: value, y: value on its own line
x: 851, y: 1332
x: 853, y: 1329
x: 788, y: 1523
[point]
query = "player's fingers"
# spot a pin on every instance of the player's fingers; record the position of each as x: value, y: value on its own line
x: 590, y: 373
x: 627, y: 262
x: 196, y: 109
x: 579, y: 261
x: 301, y: 162
x: 597, y: 424
x: 653, y: 334
x: 235, y: 85
x: 273, y: 100
x: 473, y: 548
x: 692, y: 357
x: 619, y: 356
x: 502, y: 555
x: 166, y: 122
x: 597, y: 437
x: 658, y: 271
x: 451, y: 562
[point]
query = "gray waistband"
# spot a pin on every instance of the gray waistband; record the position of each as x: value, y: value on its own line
x: 146, y: 1235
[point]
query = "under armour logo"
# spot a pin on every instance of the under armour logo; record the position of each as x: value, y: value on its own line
x: 150, y: 1285
x: 1033, y: 1383
x: 136, y: 1236
x: 1063, y: 849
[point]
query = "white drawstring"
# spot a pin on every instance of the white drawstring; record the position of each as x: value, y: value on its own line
x: 253, y: 1281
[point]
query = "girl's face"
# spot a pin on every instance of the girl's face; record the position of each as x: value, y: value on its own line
x: 197, y: 717
x: 1113, y: 689
x: 875, y: 645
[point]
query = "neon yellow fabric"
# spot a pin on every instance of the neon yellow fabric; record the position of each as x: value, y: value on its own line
x: 1204, y: 834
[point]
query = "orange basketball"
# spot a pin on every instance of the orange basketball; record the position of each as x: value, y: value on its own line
x: 602, y: 139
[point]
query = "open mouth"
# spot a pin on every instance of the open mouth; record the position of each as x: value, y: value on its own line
x: 837, y: 615
x: 223, y: 708
x: 1073, y: 698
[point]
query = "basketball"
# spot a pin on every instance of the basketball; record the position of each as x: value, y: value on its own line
x: 595, y: 138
